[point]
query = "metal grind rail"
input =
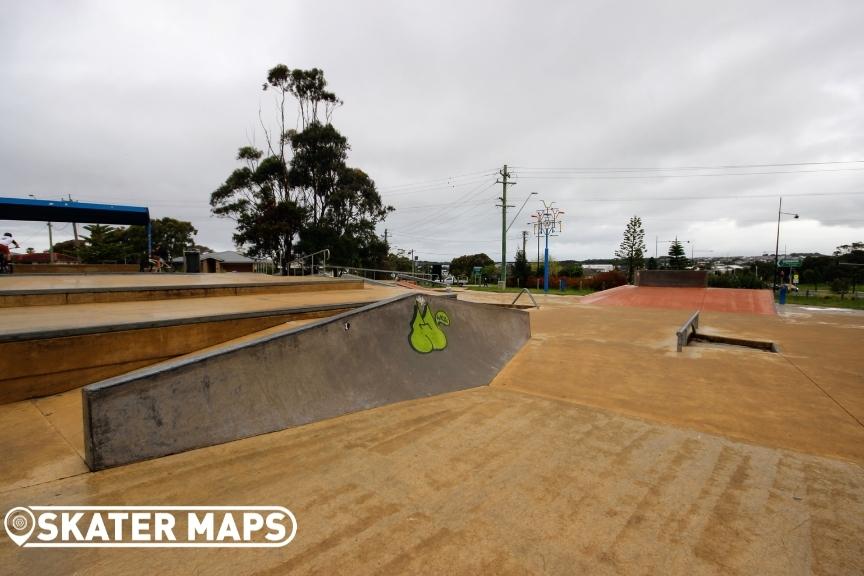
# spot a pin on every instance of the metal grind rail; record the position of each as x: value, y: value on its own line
x: 684, y: 333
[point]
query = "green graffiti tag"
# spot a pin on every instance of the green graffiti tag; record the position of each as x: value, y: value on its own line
x: 426, y: 334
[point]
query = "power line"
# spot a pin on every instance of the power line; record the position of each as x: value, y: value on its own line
x: 717, y: 167
x: 745, y: 197
x: 644, y: 176
x: 436, y: 205
x: 450, y: 186
x: 435, y: 181
x: 427, y: 220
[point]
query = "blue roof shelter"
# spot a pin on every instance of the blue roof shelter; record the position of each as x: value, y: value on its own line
x: 65, y: 211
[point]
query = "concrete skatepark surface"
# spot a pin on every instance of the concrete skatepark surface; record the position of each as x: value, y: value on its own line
x: 708, y: 299
x: 138, y: 281
x: 49, y: 349
x: 598, y: 449
x: 354, y: 361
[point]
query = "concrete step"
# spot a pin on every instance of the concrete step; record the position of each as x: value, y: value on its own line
x: 55, y: 290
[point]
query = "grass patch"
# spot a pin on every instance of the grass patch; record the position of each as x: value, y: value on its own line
x: 832, y: 301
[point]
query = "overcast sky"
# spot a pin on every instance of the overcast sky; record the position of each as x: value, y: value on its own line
x: 601, y: 107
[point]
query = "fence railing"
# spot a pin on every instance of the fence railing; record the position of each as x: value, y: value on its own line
x: 264, y: 267
x: 322, y: 256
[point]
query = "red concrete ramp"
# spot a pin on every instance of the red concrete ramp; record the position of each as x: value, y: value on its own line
x: 707, y: 299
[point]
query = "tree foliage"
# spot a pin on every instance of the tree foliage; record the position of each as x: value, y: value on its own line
x: 398, y: 262
x: 104, y: 244
x: 846, y: 263
x: 115, y: 244
x: 632, y: 249
x: 571, y: 269
x: 677, y: 256
x: 299, y: 195
x: 175, y: 236
x: 521, y: 269
x: 69, y: 247
x: 848, y: 249
x: 464, y: 265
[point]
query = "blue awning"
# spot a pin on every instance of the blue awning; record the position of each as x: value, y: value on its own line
x: 63, y: 211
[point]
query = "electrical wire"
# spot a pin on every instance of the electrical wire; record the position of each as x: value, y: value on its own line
x: 436, y: 182
x: 716, y: 167
x: 657, y: 176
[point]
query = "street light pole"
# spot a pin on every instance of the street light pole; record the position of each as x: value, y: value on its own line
x: 548, y: 222
x: 777, y: 243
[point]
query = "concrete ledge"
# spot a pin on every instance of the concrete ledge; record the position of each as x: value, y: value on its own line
x: 94, y: 295
x: 74, y: 268
x: 321, y: 370
x: 108, y: 328
x: 47, y: 363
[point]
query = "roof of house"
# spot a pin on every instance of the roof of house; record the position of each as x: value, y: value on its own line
x: 227, y: 256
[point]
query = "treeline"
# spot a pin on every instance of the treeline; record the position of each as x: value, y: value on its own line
x: 118, y: 244
x: 841, y: 272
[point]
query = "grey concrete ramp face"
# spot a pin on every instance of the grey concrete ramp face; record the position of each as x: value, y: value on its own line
x: 400, y: 349
x: 672, y: 278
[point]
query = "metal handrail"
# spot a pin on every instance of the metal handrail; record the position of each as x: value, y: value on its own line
x: 325, y: 251
x: 418, y: 279
x: 389, y: 273
x: 525, y: 291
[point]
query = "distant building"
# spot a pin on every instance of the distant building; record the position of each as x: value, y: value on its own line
x: 592, y: 269
x: 227, y: 261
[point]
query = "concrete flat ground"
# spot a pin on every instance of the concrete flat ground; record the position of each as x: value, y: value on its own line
x: 809, y: 397
x: 20, y: 282
x: 599, y: 449
x: 489, y: 481
x: 708, y: 299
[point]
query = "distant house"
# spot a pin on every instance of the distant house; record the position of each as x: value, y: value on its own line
x: 592, y: 269
x: 227, y: 261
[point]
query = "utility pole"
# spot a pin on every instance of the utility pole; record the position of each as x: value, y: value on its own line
x: 504, y: 181
x: 524, y: 240
x: 777, y: 245
x: 75, y: 232
x: 412, y: 260
x: 50, y: 244
x: 385, y: 236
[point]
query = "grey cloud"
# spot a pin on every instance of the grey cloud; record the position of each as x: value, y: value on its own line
x: 147, y: 102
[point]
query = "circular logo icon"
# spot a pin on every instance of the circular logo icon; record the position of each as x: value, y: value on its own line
x: 19, y: 523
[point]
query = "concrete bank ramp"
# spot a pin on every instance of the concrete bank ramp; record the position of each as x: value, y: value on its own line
x: 404, y: 348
